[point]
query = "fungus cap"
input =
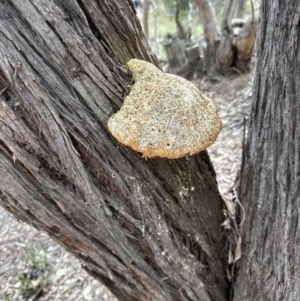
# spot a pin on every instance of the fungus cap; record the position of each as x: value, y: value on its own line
x: 164, y: 115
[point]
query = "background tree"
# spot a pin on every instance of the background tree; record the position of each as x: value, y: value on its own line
x: 181, y: 33
x: 208, y: 19
x: 240, y: 9
x: 146, y: 7
x: 224, y: 48
x: 228, y: 12
x: 143, y: 227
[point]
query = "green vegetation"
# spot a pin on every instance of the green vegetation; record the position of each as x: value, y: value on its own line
x: 38, y: 262
x: 33, y: 281
x: 28, y: 287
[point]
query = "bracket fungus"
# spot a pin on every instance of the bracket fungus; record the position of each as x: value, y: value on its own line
x: 164, y: 115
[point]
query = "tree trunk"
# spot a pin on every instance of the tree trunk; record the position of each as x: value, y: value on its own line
x: 180, y: 29
x: 208, y: 19
x: 146, y: 18
x: 174, y: 49
x: 148, y: 229
x: 240, y: 9
x: 245, y: 45
x: 269, y: 187
x: 228, y: 11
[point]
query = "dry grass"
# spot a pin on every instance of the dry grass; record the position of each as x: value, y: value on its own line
x: 29, y: 260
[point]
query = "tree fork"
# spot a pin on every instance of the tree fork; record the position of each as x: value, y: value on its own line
x: 149, y: 229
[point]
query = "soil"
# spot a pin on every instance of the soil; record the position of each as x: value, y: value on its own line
x: 33, y: 267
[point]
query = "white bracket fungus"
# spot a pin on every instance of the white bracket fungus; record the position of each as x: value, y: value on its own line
x: 164, y: 115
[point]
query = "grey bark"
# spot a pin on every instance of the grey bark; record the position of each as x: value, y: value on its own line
x: 180, y: 29
x: 146, y: 18
x: 240, y: 9
x: 207, y: 15
x: 149, y: 229
x: 228, y: 12
x: 175, y: 52
x: 269, y: 188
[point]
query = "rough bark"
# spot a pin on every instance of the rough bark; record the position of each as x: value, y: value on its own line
x: 269, y: 188
x: 149, y: 229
